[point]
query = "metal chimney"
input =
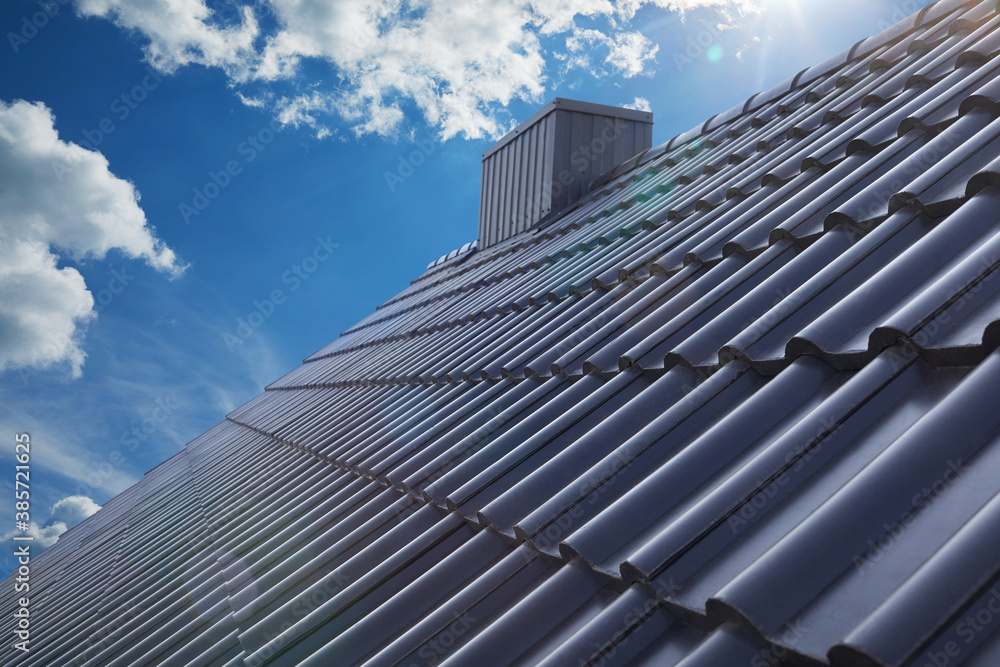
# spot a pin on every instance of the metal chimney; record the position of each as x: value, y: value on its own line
x: 546, y: 163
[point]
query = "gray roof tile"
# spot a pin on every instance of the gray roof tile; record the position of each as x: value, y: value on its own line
x: 736, y: 405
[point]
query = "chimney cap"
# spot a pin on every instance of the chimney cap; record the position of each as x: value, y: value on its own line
x: 567, y: 104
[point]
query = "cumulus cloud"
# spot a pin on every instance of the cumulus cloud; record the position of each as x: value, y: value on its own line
x: 457, y: 64
x: 43, y: 537
x: 71, y: 510
x: 65, y: 514
x: 182, y: 32
x: 58, y: 201
x: 639, y: 104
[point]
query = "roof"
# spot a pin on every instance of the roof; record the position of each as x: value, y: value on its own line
x: 736, y: 407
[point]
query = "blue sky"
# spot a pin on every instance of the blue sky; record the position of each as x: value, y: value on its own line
x: 217, y: 159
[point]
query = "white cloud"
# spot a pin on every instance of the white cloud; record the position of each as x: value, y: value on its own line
x: 43, y: 309
x: 58, y: 201
x: 456, y: 63
x: 626, y: 52
x: 639, y: 104
x: 182, y: 32
x: 43, y: 537
x: 73, y: 509
x: 726, y: 8
x: 65, y: 514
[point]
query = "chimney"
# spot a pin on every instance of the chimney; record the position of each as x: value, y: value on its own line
x: 546, y: 163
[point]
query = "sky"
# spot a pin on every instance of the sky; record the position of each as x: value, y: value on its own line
x: 195, y: 195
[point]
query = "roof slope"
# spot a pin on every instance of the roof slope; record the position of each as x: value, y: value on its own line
x: 738, y: 407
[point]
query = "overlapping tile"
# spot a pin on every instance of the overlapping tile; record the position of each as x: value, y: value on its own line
x: 735, y: 406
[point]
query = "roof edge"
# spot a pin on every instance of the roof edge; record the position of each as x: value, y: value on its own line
x: 930, y: 13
